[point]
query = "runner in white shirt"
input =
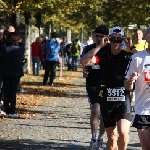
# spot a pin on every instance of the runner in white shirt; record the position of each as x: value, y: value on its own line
x: 139, y: 71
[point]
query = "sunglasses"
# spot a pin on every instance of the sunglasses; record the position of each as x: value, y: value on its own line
x: 116, y: 39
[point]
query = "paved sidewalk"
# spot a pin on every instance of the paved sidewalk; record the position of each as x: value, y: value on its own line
x: 62, y: 124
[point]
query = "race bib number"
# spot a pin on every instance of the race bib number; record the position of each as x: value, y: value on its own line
x: 95, y: 67
x: 116, y: 94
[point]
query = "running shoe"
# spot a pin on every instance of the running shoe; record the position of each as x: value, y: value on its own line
x: 100, y: 144
x: 93, y: 145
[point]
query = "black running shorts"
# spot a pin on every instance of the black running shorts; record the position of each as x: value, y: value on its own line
x: 113, y: 111
x: 93, y: 95
x: 141, y: 121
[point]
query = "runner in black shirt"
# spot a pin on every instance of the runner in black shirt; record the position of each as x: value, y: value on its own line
x: 115, y: 100
x: 93, y: 75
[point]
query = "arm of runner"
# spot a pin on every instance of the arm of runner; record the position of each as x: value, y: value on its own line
x: 129, y: 83
x: 89, y: 58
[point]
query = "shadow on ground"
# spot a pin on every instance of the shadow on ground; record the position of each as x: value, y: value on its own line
x: 134, y: 145
x: 36, y: 145
x: 55, y: 84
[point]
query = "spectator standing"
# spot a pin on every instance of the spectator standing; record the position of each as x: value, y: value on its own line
x: 62, y: 49
x: 1, y: 82
x: 24, y: 60
x: 52, y: 54
x: 68, y: 53
x: 138, y: 44
x: 68, y: 56
x: 42, y: 53
x: 36, y: 56
x: 11, y: 70
x: 68, y: 41
x: 89, y: 41
x: 75, y: 53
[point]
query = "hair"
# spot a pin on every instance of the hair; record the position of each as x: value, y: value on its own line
x: 102, y: 29
x: 137, y: 30
x: 53, y: 35
x: 44, y: 40
x: 76, y: 40
x: 12, y: 39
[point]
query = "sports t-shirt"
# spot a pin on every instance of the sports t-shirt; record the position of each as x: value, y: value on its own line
x: 139, y: 46
x: 113, y: 68
x: 141, y: 64
x: 93, y: 78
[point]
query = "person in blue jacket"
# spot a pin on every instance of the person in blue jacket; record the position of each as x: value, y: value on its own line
x: 52, y: 52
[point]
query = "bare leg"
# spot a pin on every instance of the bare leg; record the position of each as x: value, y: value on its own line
x: 144, y: 136
x: 102, y: 128
x: 112, y: 138
x: 94, y: 120
x: 123, y: 131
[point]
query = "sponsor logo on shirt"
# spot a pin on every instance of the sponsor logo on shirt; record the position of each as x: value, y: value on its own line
x: 95, y: 67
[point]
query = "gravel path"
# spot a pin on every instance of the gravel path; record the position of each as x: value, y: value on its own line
x: 61, y: 124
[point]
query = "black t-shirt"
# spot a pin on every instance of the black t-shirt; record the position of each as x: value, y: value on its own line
x: 95, y: 70
x: 68, y: 49
x: 113, y: 68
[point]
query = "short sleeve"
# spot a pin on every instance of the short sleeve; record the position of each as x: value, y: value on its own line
x: 132, y: 67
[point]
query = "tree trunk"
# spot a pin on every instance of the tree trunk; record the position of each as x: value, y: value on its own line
x: 69, y: 33
x: 28, y: 47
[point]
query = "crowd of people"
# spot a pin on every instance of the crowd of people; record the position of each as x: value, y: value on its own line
x: 112, y: 75
x: 45, y: 53
x: 54, y: 52
x: 116, y: 69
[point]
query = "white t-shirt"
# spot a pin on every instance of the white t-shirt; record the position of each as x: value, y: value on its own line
x: 89, y: 42
x: 141, y: 64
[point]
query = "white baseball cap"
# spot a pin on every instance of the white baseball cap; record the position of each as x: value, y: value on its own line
x: 117, y: 30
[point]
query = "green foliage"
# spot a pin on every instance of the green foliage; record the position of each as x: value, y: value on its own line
x: 125, y: 12
x: 87, y: 14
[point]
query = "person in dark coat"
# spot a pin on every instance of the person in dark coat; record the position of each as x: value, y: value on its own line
x: 11, y: 69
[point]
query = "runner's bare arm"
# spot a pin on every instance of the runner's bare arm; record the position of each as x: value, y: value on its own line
x: 129, y: 83
x: 89, y: 58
